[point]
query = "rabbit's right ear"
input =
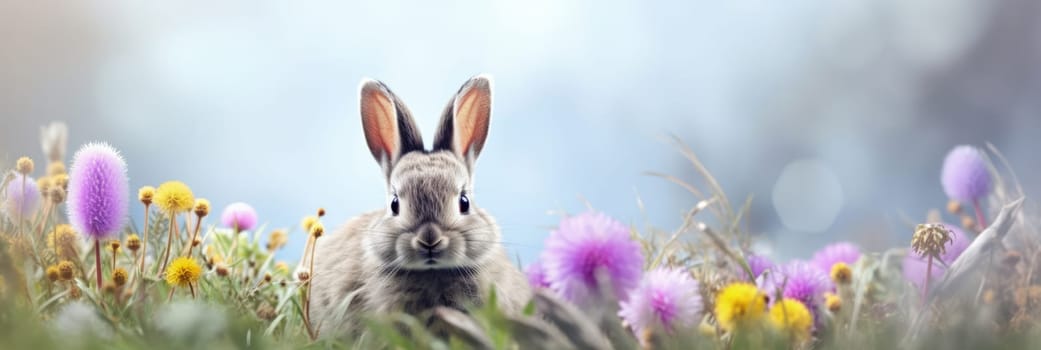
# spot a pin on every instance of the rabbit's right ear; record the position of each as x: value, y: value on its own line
x: 389, y: 128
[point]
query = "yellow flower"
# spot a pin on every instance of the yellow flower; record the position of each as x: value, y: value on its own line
x: 52, y: 273
x: 792, y: 318
x: 183, y: 272
x: 202, y: 207
x: 174, y: 197
x: 55, y: 168
x: 277, y: 240
x: 307, y: 222
x: 119, y: 276
x: 145, y: 194
x: 61, y: 181
x: 317, y: 229
x: 282, y: 268
x: 113, y: 245
x: 133, y: 242
x: 841, y: 273
x: 24, y: 165
x: 833, y: 302
x: 65, y: 270
x: 739, y: 304
x: 44, y: 184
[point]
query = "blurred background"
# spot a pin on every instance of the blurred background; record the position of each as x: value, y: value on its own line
x: 834, y: 115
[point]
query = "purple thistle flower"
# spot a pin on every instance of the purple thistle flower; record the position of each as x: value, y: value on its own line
x: 759, y: 264
x: 536, y: 276
x: 98, y: 191
x: 23, y: 199
x: 666, y: 299
x: 965, y: 176
x: 915, y: 265
x: 240, y: 216
x: 845, y: 252
x: 585, y: 247
x: 801, y: 281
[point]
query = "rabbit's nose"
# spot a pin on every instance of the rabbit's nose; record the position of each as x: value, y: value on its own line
x: 430, y: 245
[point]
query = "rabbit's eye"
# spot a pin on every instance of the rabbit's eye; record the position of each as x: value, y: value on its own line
x: 464, y: 204
x: 394, y: 206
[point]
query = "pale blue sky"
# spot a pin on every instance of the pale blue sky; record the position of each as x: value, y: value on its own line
x: 256, y: 101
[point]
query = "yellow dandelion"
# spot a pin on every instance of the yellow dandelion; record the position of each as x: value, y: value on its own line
x: 52, y: 273
x: 174, y: 197
x: 833, y: 302
x: 55, y: 168
x: 277, y: 240
x: 841, y: 273
x: 25, y: 165
x: 792, y: 318
x: 119, y: 276
x: 740, y: 304
x: 202, y: 207
x: 182, y: 272
x: 65, y: 270
x: 145, y: 194
x: 307, y: 222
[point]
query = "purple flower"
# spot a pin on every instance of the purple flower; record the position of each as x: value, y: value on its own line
x: 666, y: 298
x: 965, y: 176
x: 758, y: 264
x: 23, y: 198
x: 536, y: 276
x: 239, y: 216
x: 834, y: 253
x: 800, y: 281
x: 915, y: 265
x: 98, y: 191
x: 588, y: 246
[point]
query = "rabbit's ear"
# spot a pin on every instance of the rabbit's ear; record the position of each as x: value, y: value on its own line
x: 389, y: 128
x: 464, y: 125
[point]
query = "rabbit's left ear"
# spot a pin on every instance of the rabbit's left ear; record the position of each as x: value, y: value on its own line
x: 464, y: 125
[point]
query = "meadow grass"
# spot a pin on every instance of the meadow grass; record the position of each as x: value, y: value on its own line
x: 244, y: 298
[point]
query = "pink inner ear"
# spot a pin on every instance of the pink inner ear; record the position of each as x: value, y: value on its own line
x: 471, y: 120
x: 380, y: 124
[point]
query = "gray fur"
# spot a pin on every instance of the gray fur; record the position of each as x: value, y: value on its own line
x: 376, y: 260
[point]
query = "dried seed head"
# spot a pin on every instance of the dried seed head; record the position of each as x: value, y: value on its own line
x: 321, y: 212
x: 931, y: 240
x: 52, y: 273
x: 120, y: 276
x: 222, y: 271
x: 267, y: 277
x: 65, y: 270
x: 24, y: 165
x: 303, y: 276
x: 113, y: 245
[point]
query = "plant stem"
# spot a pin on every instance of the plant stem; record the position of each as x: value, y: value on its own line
x: 979, y: 214
x: 144, y: 243
x: 191, y: 243
x: 307, y: 293
x: 169, y: 241
x: 97, y: 261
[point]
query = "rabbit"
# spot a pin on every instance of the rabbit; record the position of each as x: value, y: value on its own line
x: 431, y: 245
